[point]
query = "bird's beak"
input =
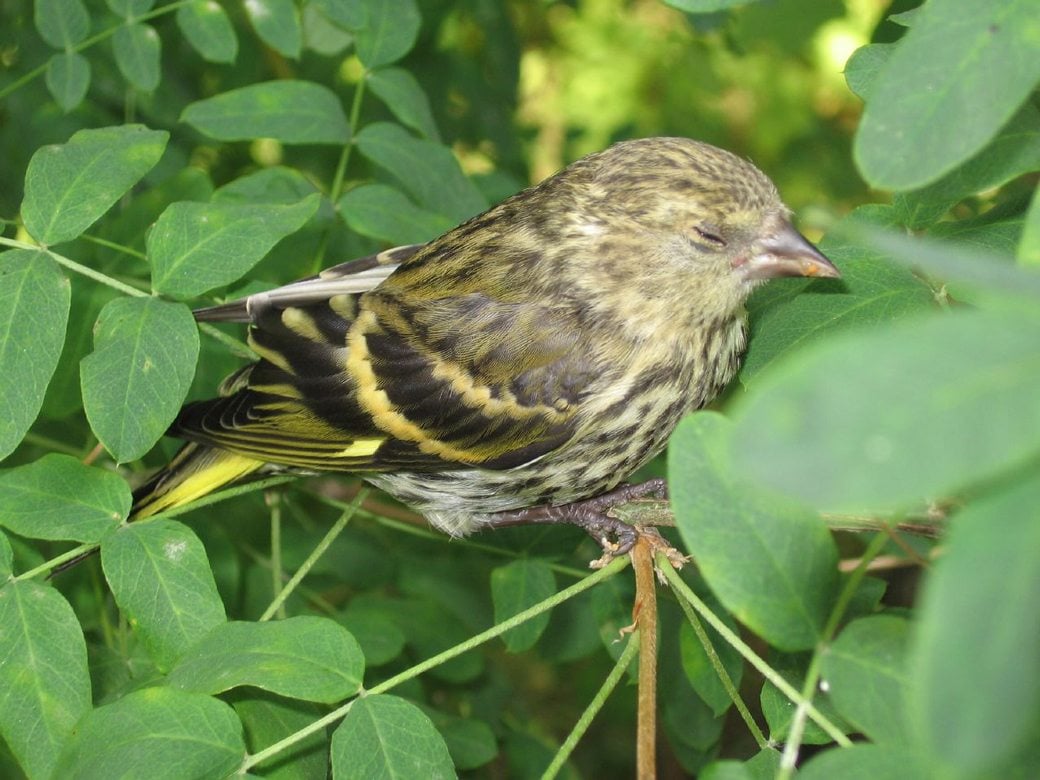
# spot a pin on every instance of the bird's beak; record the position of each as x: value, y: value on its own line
x: 784, y: 252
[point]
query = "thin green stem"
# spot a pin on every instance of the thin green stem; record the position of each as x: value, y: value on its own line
x: 609, y: 684
x: 114, y: 246
x: 316, y: 553
x: 72, y: 265
x: 274, y: 500
x: 720, y: 670
x: 52, y: 444
x: 685, y: 592
x: 237, y: 348
x: 46, y: 566
x: 812, y: 675
x: 567, y: 593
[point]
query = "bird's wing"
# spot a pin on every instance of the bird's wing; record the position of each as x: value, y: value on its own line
x: 369, y: 382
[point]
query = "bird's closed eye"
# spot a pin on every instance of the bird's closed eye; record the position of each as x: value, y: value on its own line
x: 710, y: 235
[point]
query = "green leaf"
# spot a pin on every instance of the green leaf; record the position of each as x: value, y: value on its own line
x: 130, y: 9
x: 286, y: 186
x: 403, y: 95
x: 779, y: 711
x: 1015, y: 151
x: 293, y: 112
x: 6, y: 557
x: 58, y: 497
x: 155, y: 733
x: 963, y: 64
x: 135, y: 380
x: 788, y: 314
x: 705, y: 6
x: 889, y: 418
x: 195, y: 247
x: 268, y: 719
x: 161, y: 580
x: 865, y: 673
x: 380, y: 211
x: 385, y: 736
x: 322, y: 35
x: 62, y: 23
x: 975, y: 661
x: 864, y: 65
x: 1029, y: 245
x: 207, y: 28
x: 349, y: 14
x: 772, y: 564
x: 69, y: 186
x: 44, y: 684
x: 380, y: 639
x: 471, y: 743
x: 390, y: 31
x: 867, y: 762
x: 138, y: 49
x: 34, y: 311
x: 428, y: 171
x: 699, y: 671
x: 310, y: 658
x: 68, y: 77
x: 516, y: 587
x: 277, y: 22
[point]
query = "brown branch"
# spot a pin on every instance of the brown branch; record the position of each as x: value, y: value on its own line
x: 645, y: 617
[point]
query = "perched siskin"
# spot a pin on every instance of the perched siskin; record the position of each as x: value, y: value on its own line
x: 529, y: 359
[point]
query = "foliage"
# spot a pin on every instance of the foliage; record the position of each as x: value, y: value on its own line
x: 158, y: 157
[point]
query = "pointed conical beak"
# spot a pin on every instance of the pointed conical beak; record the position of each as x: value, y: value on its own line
x: 785, y: 252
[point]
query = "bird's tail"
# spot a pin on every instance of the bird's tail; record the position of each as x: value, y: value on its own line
x: 195, y: 471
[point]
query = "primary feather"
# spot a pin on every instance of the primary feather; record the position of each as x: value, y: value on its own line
x: 536, y: 354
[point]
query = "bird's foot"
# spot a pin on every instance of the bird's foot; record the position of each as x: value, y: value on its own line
x: 615, y: 536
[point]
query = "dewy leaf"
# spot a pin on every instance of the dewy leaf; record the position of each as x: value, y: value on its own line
x: 34, y: 311
x: 866, y: 676
x: 385, y: 736
x: 58, y: 497
x: 135, y: 380
x: 293, y: 112
x: 68, y: 77
x: 975, y: 664
x: 161, y: 580
x: 391, y: 28
x: 138, y: 50
x: 380, y: 211
x: 44, y: 684
x: 428, y: 171
x: 888, y: 418
x: 963, y: 64
x: 159, y: 733
x: 787, y: 314
x: 69, y: 186
x: 62, y: 23
x: 404, y: 96
x: 207, y: 28
x: 195, y: 247
x: 305, y: 657
x: 772, y: 564
x: 516, y: 587
x: 277, y: 22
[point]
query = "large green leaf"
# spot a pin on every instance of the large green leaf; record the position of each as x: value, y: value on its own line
x: 404, y: 96
x: 385, y: 736
x: 772, y: 564
x: 964, y: 65
x: 390, y: 30
x: 975, y: 661
x: 868, y: 762
x: 68, y: 186
x: 303, y: 657
x: 135, y: 380
x: 195, y: 247
x: 34, y: 310
x: 428, y: 171
x: 293, y: 112
x: 44, y: 685
x: 155, y: 733
x: 162, y: 582
x: 380, y: 211
x: 889, y: 418
x: 58, y: 497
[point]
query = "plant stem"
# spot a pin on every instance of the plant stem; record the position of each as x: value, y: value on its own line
x: 645, y: 619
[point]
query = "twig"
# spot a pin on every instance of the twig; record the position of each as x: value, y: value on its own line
x: 645, y: 619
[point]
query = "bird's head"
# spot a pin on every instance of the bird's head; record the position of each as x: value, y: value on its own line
x: 689, y: 224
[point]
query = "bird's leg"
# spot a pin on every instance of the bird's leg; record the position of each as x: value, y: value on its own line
x: 591, y: 515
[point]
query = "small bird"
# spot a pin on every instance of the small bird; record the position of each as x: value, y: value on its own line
x: 517, y: 368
